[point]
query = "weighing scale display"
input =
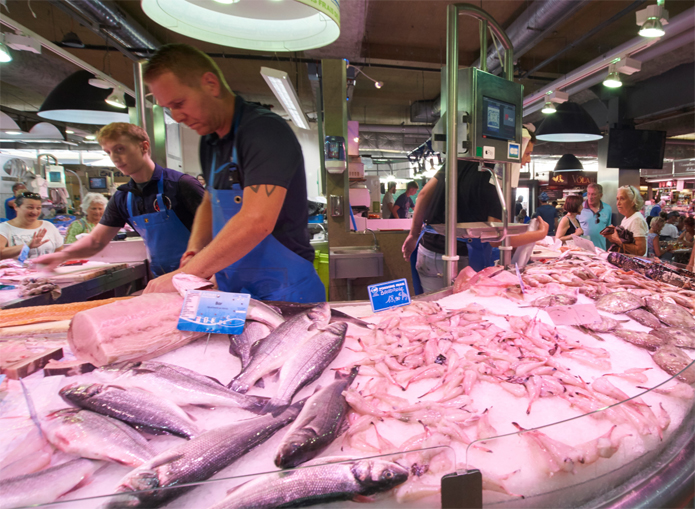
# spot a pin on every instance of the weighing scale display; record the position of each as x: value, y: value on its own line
x: 55, y: 176
x: 499, y: 119
x: 97, y: 182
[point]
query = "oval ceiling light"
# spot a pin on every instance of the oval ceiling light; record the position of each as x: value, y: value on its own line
x: 74, y: 100
x: 652, y: 28
x: 570, y: 123
x: 261, y: 25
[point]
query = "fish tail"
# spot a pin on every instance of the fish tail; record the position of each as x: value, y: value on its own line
x: 348, y: 376
x: 239, y: 386
x: 276, y: 406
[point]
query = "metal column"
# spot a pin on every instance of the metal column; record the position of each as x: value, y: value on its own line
x: 140, y: 107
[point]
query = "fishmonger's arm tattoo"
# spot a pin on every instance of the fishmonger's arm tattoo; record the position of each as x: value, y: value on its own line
x: 268, y: 189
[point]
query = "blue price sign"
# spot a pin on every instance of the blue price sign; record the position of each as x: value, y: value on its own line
x: 389, y: 295
x: 214, y: 312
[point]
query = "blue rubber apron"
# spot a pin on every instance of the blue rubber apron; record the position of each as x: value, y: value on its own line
x: 269, y: 271
x: 165, y: 236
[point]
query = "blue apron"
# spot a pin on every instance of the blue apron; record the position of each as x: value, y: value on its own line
x: 269, y: 271
x: 165, y: 236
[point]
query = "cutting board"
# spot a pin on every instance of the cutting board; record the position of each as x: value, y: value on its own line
x: 86, y: 273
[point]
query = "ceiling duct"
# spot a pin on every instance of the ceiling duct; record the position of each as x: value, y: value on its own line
x: 534, y: 25
x: 108, y: 18
x: 426, y: 111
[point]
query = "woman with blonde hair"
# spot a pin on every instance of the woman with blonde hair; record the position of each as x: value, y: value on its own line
x: 653, y: 247
x: 93, y: 205
x: 631, y: 236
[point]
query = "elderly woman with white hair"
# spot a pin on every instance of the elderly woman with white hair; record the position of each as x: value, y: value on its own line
x: 93, y: 205
x: 631, y: 236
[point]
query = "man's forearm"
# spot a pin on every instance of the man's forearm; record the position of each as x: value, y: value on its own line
x: 86, y: 246
x: 201, y: 232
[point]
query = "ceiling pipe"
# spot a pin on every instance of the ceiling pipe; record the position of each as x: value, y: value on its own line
x: 532, y: 26
x: 395, y: 129
x: 684, y: 21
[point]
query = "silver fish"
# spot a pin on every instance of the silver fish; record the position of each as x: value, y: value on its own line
x: 180, y: 385
x: 45, y: 486
x: 95, y: 436
x: 618, y: 302
x: 683, y: 337
x: 554, y: 300
x: 261, y: 312
x: 641, y: 339
x: 290, y: 309
x: 274, y: 350
x: 321, y: 421
x: 306, y: 364
x: 673, y: 360
x: 644, y: 317
x: 134, y: 406
x: 317, y: 485
x: 671, y: 314
x: 241, y: 345
x: 196, y: 460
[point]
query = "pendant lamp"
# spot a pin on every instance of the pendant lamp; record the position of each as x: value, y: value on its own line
x: 569, y: 162
x: 570, y: 123
x: 261, y: 25
x: 8, y: 126
x: 75, y: 100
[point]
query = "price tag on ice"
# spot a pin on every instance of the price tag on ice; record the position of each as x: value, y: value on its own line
x: 389, y: 295
x: 213, y: 312
x: 579, y: 314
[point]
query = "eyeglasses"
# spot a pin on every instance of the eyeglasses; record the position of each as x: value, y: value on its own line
x: 596, y: 215
x: 30, y: 196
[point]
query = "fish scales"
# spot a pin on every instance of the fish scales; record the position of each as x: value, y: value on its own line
x: 673, y: 360
x: 671, y: 314
x: 134, y: 406
x: 241, y: 345
x: 196, y: 460
x: 641, y: 339
x: 261, y: 312
x: 317, y: 485
x: 683, y: 337
x: 279, y: 345
x: 307, y: 364
x: 618, y: 302
x: 644, y: 317
x: 321, y: 421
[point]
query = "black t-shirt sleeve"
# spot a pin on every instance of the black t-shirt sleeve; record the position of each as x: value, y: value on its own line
x: 112, y: 214
x: 190, y: 193
x: 271, y: 153
x: 494, y: 207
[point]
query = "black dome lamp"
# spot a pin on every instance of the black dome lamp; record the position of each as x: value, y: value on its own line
x: 568, y: 162
x: 570, y: 123
x: 72, y: 40
x: 74, y: 100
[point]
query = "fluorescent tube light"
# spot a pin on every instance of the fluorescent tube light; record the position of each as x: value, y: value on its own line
x: 282, y: 88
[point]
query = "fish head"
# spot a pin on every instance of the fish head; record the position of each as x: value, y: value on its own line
x: 298, y: 450
x: 141, y: 480
x: 320, y: 315
x: 376, y: 476
x: 337, y: 328
x: 64, y: 414
x: 80, y: 392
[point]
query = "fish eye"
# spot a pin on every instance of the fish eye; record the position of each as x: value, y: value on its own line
x: 388, y: 474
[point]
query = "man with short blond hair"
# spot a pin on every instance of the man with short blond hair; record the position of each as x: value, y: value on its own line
x: 158, y: 203
x: 595, y: 215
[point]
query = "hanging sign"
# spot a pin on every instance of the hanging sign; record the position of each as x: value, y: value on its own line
x: 214, y: 312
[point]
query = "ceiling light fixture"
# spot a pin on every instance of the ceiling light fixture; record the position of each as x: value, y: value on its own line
x: 13, y: 133
x: 7, y: 124
x: 568, y: 162
x: 72, y: 40
x: 549, y: 108
x: 5, y: 55
x: 259, y: 25
x: 116, y: 99
x: 571, y: 123
x: 377, y: 84
x: 90, y: 137
x: 652, y: 20
x: 554, y: 97
x: 613, y: 78
x: 282, y: 88
x: 68, y: 131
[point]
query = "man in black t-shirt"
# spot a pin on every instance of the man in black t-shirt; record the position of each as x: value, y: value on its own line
x: 404, y: 203
x: 251, y: 229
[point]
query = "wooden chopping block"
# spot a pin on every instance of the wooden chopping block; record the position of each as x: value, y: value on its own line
x: 67, y: 368
x: 30, y: 365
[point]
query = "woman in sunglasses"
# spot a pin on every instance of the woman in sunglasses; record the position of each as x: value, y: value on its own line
x: 26, y: 234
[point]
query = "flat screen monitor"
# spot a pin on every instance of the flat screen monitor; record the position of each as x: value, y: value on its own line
x: 634, y: 149
x: 55, y: 176
x: 97, y: 182
x: 499, y: 119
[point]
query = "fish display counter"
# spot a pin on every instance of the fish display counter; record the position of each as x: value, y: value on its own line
x: 499, y: 390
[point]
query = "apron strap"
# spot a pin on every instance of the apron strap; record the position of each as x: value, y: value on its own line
x: 160, y: 191
x: 129, y: 204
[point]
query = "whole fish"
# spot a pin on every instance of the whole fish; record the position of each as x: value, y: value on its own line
x: 179, y: 385
x: 644, y: 317
x: 241, y: 345
x: 618, y: 302
x: 683, y: 337
x: 641, y: 339
x: 554, y: 300
x: 606, y: 324
x: 274, y: 350
x: 321, y: 421
x: 306, y: 364
x: 317, y: 485
x: 673, y: 360
x: 196, y: 460
x: 45, y: 486
x: 261, y: 312
x: 290, y: 309
x: 95, y: 436
x: 134, y: 406
x: 671, y: 314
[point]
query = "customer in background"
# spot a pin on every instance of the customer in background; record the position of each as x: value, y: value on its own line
x: 656, y: 209
x: 404, y: 203
x: 518, y: 206
x: 92, y: 206
x: 10, y: 212
x: 569, y: 224
x: 689, y: 233
x: 387, y: 204
x: 28, y: 231
x: 595, y: 215
x: 670, y: 229
x: 548, y: 213
x: 631, y: 236
x: 653, y: 247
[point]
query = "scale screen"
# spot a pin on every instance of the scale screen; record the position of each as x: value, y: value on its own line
x: 499, y: 119
x: 55, y: 176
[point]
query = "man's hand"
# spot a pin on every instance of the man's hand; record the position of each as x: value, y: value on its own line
x: 162, y: 284
x: 544, y: 227
x: 51, y: 261
x: 409, y: 246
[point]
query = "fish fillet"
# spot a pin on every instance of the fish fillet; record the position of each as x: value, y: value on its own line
x: 51, y: 313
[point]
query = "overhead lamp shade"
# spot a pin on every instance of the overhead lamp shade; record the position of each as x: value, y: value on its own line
x: 570, y: 123
x: 262, y: 25
x: 652, y: 28
x: 72, y: 40
x: 569, y: 162
x: 75, y: 100
x: 47, y: 131
x: 8, y: 125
